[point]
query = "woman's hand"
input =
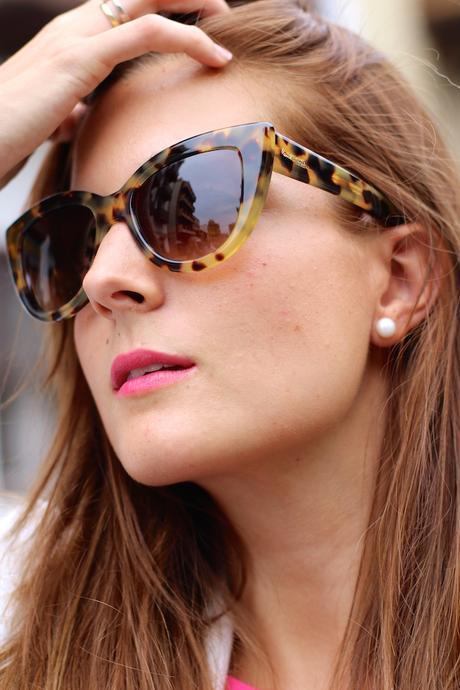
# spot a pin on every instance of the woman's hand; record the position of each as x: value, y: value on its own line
x: 41, y: 86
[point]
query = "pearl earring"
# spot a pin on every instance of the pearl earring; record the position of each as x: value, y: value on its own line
x: 386, y: 327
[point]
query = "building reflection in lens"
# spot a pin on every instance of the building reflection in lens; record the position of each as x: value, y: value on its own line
x: 193, y: 204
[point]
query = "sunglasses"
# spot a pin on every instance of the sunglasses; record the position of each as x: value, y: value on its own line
x: 189, y: 208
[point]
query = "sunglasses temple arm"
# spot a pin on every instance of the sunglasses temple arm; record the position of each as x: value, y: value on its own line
x: 302, y: 164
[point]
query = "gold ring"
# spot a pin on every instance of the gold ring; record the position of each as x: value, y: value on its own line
x: 121, y: 17
x: 122, y: 14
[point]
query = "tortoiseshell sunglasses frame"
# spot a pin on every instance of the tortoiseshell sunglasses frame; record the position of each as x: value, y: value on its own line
x: 262, y: 150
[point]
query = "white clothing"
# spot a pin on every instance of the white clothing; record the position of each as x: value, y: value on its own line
x: 218, y: 644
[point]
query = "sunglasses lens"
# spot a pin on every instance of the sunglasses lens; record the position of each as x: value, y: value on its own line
x: 189, y: 208
x: 56, y: 253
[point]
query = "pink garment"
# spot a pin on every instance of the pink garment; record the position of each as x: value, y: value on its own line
x: 234, y: 684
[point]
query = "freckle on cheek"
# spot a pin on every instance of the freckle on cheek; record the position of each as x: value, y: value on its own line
x: 286, y: 315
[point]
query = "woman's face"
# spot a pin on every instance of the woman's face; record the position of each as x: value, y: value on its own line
x: 279, y: 333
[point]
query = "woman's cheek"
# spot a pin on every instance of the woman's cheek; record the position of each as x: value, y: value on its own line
x: 92, y: 348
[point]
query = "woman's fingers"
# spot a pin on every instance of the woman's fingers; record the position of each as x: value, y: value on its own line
x: 153, y: 32
x: 41, y: 85
x: 38, y: 99
x: 206, y: 8
x: 88, y: 20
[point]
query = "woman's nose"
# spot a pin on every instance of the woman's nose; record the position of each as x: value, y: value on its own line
x: 121, y: 278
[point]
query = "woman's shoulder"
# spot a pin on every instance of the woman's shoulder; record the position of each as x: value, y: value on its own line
x: 12, y: 551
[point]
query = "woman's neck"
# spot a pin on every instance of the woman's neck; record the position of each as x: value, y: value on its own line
x: 302, y: 518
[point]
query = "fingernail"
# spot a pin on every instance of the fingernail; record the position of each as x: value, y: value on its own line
x: 222, y: 53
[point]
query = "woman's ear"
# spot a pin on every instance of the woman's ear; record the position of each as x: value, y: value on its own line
x: 413, y: 278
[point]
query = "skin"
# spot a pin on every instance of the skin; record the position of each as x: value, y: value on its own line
x: 283, y: 420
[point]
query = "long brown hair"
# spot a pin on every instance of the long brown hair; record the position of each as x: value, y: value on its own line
x: 116, y: 588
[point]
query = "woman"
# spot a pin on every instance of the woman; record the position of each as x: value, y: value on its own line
x: 285, y: 514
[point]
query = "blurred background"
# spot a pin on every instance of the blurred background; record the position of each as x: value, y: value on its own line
x: 421, y: 37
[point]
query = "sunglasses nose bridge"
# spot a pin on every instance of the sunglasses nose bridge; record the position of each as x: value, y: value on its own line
x: 111, y: 210
x: 117, y: 209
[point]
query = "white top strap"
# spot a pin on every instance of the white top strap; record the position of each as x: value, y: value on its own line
x: 10, y: 555
x: 219, y: 645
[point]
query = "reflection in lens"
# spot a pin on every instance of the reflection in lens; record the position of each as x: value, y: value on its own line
x: 56, y: 254
x: 189, y: 208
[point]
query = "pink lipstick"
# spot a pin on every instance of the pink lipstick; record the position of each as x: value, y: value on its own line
x: 141, y: 371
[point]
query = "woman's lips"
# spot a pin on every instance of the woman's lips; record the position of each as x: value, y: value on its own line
x: 156, y: 379
x: 127, y: 380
